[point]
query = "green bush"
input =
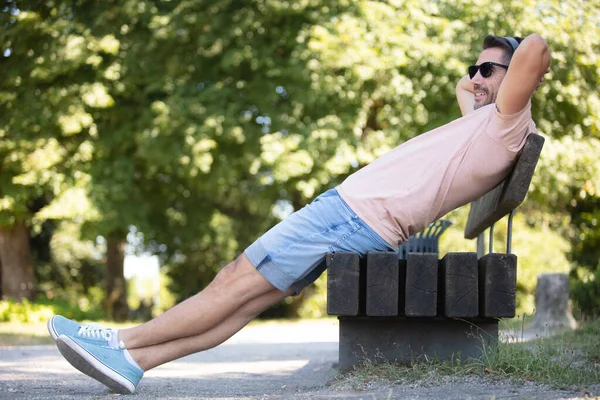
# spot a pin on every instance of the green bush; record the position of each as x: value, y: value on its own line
x: 67, y: 268
x: 12, y: 311
x: 41, y: 310
x: 585, y: 275
x: 585, y: 291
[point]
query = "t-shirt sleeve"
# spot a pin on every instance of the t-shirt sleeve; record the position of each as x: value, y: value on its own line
x: 510, y: 129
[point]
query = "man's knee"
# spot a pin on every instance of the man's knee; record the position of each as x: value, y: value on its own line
x: 238, y: 267
x: 227, y: 272
x: 241, y: 278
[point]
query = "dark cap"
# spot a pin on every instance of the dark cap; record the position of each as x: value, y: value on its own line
x: 512, y: 41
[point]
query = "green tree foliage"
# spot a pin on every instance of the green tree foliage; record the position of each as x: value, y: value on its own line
x: 46, y: 93
x: 42, y: 116
x: 202, y: 123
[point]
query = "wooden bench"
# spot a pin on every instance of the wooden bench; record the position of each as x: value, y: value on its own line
x: 421, y: 307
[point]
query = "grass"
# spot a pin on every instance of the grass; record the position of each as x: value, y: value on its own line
x: 515, y: 325
x: 571, y: 359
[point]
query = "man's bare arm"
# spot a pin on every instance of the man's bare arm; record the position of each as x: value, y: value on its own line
x: 527, y: 68
x: 465, y: 95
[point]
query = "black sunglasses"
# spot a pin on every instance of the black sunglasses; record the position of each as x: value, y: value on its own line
x: 486, y: 69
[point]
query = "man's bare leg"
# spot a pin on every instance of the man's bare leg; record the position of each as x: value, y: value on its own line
x: 237, y: 284
x: 153, y: 356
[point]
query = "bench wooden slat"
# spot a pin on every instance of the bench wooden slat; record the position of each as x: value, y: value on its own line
x: 343, y: 283
x: 511, y: 192
x: 498, y: 285
x: 382, y: 284
x: 421, y: 285
x: 402, y: 287
x: 459, y: 285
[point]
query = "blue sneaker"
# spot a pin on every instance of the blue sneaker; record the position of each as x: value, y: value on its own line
x: 111, y: 366
x: 59, y: 325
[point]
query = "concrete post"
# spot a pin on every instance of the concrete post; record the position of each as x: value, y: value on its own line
x: 552, y: 307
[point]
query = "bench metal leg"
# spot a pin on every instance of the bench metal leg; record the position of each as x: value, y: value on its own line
x: 404, y: 340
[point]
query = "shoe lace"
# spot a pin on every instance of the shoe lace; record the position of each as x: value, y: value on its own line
x: 95, y: 331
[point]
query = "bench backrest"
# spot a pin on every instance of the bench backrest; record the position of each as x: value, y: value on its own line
x: 511, y: 192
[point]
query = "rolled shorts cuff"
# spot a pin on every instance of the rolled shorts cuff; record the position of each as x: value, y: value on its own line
x: 299, y: 285
x: 260, y: 258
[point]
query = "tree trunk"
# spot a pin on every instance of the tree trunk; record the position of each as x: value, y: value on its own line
x: 116, y: 287
x: 16, y: 268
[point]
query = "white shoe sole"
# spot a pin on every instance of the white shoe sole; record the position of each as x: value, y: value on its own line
x: 85, y: 362
x: 51, y: 329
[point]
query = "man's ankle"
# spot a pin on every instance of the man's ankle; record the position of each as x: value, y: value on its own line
x: 130, y: 358
x: 135, y: 358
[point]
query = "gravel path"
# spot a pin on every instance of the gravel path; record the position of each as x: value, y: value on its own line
x: 264, y: 361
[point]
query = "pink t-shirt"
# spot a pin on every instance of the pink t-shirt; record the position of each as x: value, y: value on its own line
x: 402, y: 192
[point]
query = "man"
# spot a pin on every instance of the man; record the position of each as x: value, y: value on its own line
x: 374, y: 209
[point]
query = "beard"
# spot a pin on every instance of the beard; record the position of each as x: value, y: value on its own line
x: 489, y: 99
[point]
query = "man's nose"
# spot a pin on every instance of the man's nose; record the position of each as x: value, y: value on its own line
x: 477, y: 79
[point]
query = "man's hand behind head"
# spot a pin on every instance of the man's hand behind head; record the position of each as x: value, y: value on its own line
x: 529, y: 64
x: 465, y: 95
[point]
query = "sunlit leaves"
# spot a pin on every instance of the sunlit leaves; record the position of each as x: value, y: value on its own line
x: 75, y: 121
x: 71, y: 204
x: 96, y: 96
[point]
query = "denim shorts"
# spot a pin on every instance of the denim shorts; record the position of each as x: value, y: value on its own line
x: 292, y: 253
